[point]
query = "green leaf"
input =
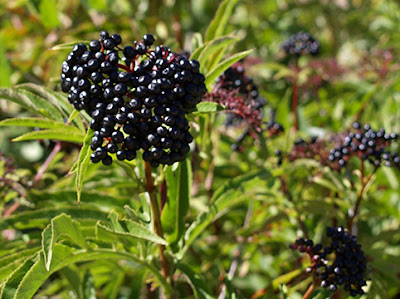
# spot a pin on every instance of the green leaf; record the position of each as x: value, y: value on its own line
x: 9, y: 263
x: 68, y: 46
x: 42, y: 123
x: 223, y: 65
x: 83, y: 162
x: 41, y: 217
x: 207, y: 107
x: 226, y: 197
x: 30, y: 102
x: 89, y: 291
x: 68, y: 134
x: 285, y: 278
x: 211, y: 48
x: 10, y: 288
x: 49, y: 13
x: 59, y: 100
x: 199, y: 286
x: 177, y: 205
x: 220, y: 20
x: 133, y: 230
x: 29, y: 277
x: 5, y: 73
x: 61, y: 225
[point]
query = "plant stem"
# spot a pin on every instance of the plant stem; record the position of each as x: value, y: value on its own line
x: 309, y: 291
x: 46, y: 163
x: 295, y: 96
x: 364, y: 183
x: 156, y: 217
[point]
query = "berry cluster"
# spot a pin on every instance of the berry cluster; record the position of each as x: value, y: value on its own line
x: 301, y: 43
x: 342, y: 262
x: 366, y: 144
x: 335, y: 152
x: 137, y: 97
x: 239, y: 95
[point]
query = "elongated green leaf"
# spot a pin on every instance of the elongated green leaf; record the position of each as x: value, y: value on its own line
x: 10, y: 288
x: 285, y: 278
x: 220, y: 20
x: 59, y: 100
x: 24, y: 282
x: 223, y: 65
x: 61, y: 225
x: 175, y: 209
x: 134, y: 231
x: 42, y: 123
x: 83, y: 162
x: 212, y: 47
x: 68, y: 134
x: 89, y: 291
x: 69, y: 45
x: 40, y: 218
x: 9, y: 263
x: 227, y: 196
x: 43, y: 103
x: 197, y: 42
x: 199, y: 286
x: 12, y: 95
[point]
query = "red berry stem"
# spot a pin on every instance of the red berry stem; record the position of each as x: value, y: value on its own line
x: 295, y: 95
x: 156, y: 217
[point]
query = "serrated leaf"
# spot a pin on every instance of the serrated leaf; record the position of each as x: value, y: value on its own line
x: 220, y: 20
x: 42, y: 123
x: 133, y: 230
x: 44, y: 104
x: 41, y: 217
x: 36, y: 105
x: 62, y: 225
x: 25, y: 282
x: 56, y: 98
x: 223, y: 65
x: 83, y: 162
x: 68, y: 134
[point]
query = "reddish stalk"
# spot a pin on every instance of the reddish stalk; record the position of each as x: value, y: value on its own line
x: 364, y: 183
x: 309, y: 291
x: 124, y: 67
x: 295, y: 96
x: 46, y: 163
x: 155, y: 211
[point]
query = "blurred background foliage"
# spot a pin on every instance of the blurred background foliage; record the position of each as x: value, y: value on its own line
x: 356, y: 77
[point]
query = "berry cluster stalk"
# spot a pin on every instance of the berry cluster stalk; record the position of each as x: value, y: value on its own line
x: 156, y: 217
x: 295, y: 95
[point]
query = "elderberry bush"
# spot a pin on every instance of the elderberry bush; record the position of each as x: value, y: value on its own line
x: 340, y: 263
x: 137, y: 97
x: 301, y: 43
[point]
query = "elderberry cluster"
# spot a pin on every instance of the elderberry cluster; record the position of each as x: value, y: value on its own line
x: 342, y: 262
x: 244, y: 105
x: 366, y: 144
x: 138, y: 98
x: 301, y: 43
x: 234, y: 78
